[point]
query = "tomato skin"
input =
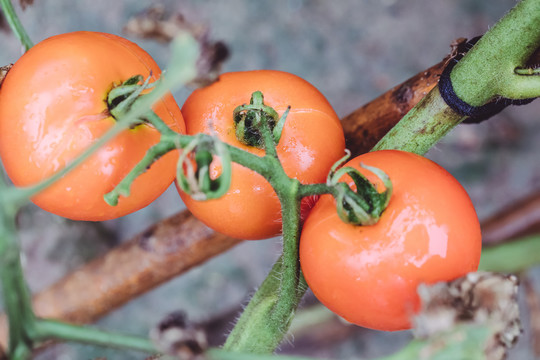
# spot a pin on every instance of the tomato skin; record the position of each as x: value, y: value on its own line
x: 312, y: 140
x: 369, y: 274
x: 53, y: 106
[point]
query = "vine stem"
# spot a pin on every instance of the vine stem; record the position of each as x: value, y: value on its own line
x: 220, y: 354
x: 17, y: 301
x: 486, y: 71
x: 15, y: 24
x: 47, y: 329
x: 267, y: 318
x: 422, y: 127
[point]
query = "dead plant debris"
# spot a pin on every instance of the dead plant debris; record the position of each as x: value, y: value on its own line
x: 156, y: 24
x: 480, y: 298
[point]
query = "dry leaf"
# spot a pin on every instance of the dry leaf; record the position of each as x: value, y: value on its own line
x: 26, y: 3
x: 480, y: 298
x: 155, y: 24
x: 3, y: 72
x: 177, y: 337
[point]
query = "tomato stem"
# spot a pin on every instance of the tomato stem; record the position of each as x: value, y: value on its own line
x: 121, y: 98
x: 527, y: 71
x: 198, y: 182
x: 15, y: 24
x: 364, y: 205
x: 249, y: 119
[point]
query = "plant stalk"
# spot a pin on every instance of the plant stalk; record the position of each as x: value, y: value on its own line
x: 486, y: 71
x: 50, y: 329
x: 15, y: 24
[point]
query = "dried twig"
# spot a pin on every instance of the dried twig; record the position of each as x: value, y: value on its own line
x: 3, y: 72
x: 533, y: 305
x: 26, y: 3
x: 480, y: 298
x: 154, y: 23
x: 517, y: 220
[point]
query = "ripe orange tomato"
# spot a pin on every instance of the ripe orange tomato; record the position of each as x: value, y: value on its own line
x: 369, y: 274
x: 312, y: 140
x: 53, y: 106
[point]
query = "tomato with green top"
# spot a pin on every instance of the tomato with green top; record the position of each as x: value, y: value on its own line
x: 312, y: 140
x: 369, y: 274
x: 53, y: 105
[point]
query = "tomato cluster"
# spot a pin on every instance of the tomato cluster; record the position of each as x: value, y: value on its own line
x: 53, y: 105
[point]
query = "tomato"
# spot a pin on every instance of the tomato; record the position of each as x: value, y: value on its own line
x: 53, y: 106
x: 369, y: 274
x: 312, y: 140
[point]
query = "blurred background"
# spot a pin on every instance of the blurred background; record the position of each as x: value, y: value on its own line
x: 352, y: 51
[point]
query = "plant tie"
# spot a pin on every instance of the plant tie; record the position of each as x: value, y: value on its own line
x: 474, y: 114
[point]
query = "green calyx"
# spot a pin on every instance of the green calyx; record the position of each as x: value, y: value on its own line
x: 193, y: 169
x: 122, y: 97
x: 365, y: 205
x: 250, y: 118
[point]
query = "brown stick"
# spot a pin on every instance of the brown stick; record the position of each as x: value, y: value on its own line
x: 517, y: 220
x: 533, y: 305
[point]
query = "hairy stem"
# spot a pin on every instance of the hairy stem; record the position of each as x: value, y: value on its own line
x: 267, y: 318
x: 422, y: 127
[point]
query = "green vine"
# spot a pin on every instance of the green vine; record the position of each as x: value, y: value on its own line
x: 15, y: 24
x: 488, y: 70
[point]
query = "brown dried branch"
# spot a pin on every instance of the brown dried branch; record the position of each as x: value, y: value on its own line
x: 533, y: 304
x: 155, y: 24
x: 368, y: 124
x: 3, y: 72
x: 517, y: 220
x: 26, y: 3
x: 478, y: 298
